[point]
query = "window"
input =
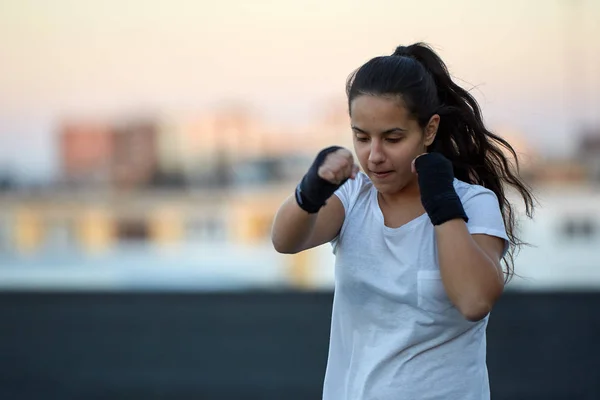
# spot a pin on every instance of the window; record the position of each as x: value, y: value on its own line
x: 132, y: 230
x: 206, y: 228
x: 580, y: 228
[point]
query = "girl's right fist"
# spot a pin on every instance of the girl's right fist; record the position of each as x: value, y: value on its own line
x: 338, y: 166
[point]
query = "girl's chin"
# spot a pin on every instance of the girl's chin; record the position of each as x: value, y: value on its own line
x: 392, y: 187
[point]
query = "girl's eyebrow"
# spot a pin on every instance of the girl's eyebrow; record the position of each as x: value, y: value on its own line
x: 386, y: 132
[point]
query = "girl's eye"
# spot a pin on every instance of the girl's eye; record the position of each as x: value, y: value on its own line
x: 362, y: 139
x: 393, y: 140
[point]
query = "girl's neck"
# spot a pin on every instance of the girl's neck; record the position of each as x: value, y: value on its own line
x: 408, y: 195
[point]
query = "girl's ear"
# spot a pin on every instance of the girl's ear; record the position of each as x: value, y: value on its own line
x: 431, y: 129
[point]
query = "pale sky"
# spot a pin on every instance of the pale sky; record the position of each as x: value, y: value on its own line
x: 284, y: 57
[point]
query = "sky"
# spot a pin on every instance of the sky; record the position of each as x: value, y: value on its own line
x: 533, y: 65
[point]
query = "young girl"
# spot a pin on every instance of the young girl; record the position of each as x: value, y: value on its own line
x: 418, y: 236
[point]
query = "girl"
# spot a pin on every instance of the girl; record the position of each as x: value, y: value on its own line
x: 418, y: 236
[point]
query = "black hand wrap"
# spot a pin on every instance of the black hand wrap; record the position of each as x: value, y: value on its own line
x: 313, y: 191
x: 436, y: 182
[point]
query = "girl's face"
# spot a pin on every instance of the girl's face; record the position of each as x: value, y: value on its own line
x: 387, y: 139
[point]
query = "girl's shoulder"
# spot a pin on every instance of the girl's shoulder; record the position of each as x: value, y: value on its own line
x: 467, y: 191
x: 354, y: 189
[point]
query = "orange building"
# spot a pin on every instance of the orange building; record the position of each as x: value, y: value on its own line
x: 85, y: 151
x: 96, y: 153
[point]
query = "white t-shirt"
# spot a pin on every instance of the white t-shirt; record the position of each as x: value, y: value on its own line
x: 394, y: 332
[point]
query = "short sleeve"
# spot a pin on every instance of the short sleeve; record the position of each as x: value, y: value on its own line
x: 483, y: 210
x: 348, y: 192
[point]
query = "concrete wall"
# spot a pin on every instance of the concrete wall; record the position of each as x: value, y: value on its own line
x: 258, y: 345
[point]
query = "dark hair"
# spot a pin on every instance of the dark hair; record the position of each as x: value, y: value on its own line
x: 420, y: 78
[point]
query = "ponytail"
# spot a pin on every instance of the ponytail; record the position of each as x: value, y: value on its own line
x: 478, y: 156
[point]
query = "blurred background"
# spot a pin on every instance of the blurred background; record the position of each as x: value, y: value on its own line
x: 145, y: 147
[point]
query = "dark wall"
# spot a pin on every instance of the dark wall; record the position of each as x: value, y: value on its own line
x: 258, y: 346
x: 545, y: 346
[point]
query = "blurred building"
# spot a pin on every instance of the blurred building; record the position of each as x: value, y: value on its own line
x: 85, y: 151
x: 93, y: 230
x: 227, y: 146
x: 580, y: 169
x: 202, y: 149
x: 108, y: 154
x: 218, y: 179
x: 235, y: 146
x: 135, y: 154
x: 588, y: 153
x: 96, y: 221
